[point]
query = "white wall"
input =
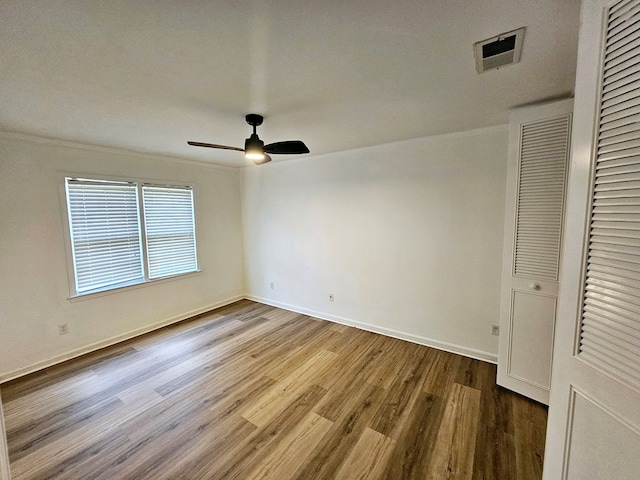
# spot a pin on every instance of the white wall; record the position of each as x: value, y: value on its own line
x: 407, y: 236
x: 34, y: 286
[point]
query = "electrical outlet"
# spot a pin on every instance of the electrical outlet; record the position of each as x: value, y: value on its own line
x: 331, y: 297
x: 63, y: 329
x: 272, y: 285
x: 495, y: 329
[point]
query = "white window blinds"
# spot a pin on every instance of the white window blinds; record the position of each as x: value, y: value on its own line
x: 170, y: 230
x: 105, y: 233
x: 111, y: 221
x: 610, y: 333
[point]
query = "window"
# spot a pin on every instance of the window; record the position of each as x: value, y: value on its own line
x: 170, y: 239
x: 109, y: 225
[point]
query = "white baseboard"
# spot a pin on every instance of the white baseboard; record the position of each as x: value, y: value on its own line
x: 113, y: 340
x: 429, y: 342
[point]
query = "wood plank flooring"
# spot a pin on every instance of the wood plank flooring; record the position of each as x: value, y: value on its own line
x: 254, y: 392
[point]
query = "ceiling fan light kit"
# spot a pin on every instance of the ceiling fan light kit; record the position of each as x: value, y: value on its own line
x: 255, y: 149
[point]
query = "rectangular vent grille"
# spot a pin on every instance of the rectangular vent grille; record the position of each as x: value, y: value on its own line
x: 543, y: 163
x: 498, y: 51
x: 610, y: 330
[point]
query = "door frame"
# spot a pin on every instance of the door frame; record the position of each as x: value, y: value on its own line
x: 5, y: 472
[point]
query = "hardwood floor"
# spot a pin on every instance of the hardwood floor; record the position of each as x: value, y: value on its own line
x: 254, y: 392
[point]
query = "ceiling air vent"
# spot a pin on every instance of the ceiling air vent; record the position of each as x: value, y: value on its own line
x: 499, y: 51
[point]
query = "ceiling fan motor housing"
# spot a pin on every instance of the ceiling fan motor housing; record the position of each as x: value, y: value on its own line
x: 253, y: 143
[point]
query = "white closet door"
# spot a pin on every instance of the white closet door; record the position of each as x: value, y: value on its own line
x: 538, y: 153
x: 594, y: 416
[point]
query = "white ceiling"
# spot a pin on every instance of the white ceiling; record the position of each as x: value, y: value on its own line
x: 148, y: 75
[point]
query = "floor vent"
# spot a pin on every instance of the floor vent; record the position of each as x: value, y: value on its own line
x: 499, y: 51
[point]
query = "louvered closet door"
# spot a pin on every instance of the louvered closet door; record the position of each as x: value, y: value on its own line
x: 594, y: 416
x: 538, y: 153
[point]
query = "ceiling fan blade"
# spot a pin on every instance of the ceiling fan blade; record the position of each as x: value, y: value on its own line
x: 290, y: 147
x: 266, y: 159
x: 213, y: 145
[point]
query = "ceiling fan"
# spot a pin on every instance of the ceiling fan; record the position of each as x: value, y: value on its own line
x: 255, y: 149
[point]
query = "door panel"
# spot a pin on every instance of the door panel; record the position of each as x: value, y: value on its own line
x: 594, y: 428
x: 532, y: 339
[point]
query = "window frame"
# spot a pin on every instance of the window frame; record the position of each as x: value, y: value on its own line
x: 144, y: 280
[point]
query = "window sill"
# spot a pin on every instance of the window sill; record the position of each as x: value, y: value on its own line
x: 128, y: 286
